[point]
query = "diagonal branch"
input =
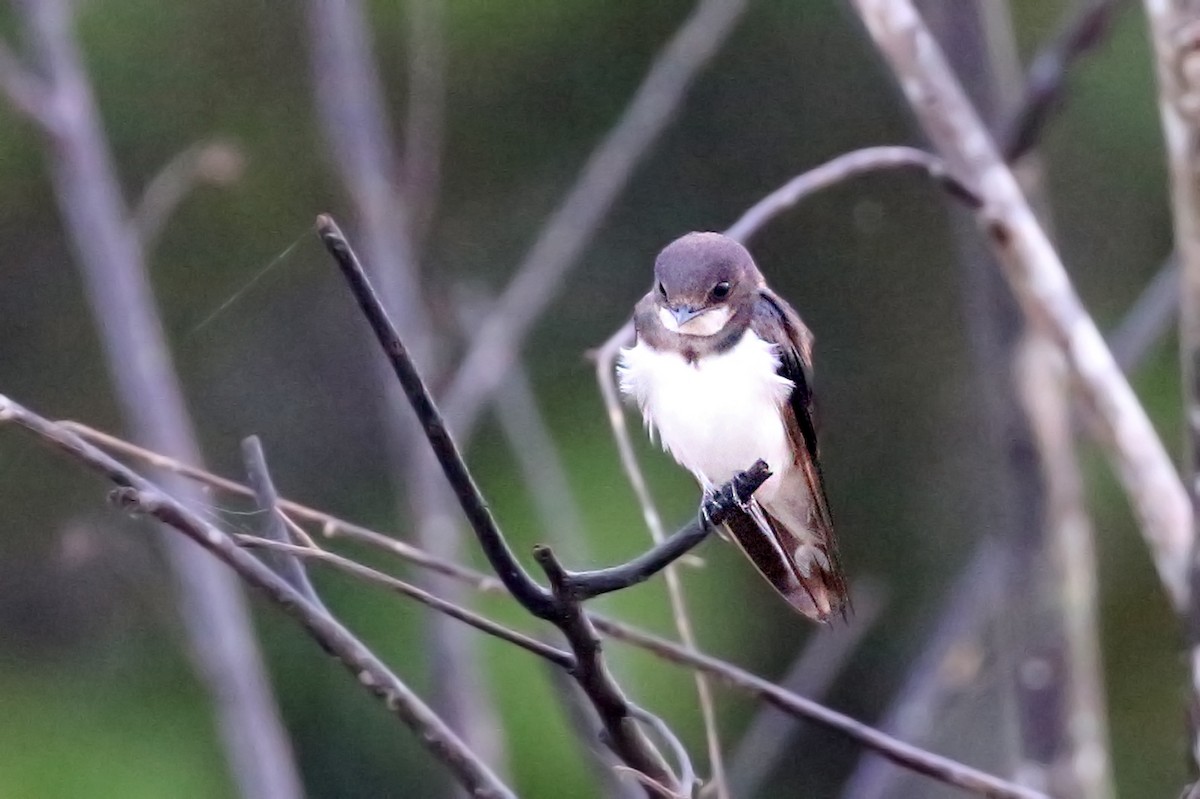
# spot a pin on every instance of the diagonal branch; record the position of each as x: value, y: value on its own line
x: 365, y: 573
x: 25, y: 91
x: 1046, y: 82
x: 1042, y: 287
x: 274, y: 523
x: 655, y: 645
x: 541, y: 273
x: 918, y: 760
x: 559, y: 608
x: 140, y: 496
x: 112, y: 263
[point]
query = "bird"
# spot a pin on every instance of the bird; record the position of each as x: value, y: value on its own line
x: 721, y: 370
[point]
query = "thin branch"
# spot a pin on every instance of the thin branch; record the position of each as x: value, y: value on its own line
x: 1042, y: 287
x: 687, y: 773
x: 770, y: 735
x: 542, y: 272
x: 331, y: 526
x: 598, y: 684
x: 549, y: 653
x: 221, y: 639
x: 918, y: 760
x: 843, y: 168
x: 913, y: 713
x: 425, y: 118
x: 212, y: 163
x: 606, y: 357
x: 524, y: 588
x: 581, y: 586
x: 25, y: 91
x: 1175, y: 33
x: 140, y: 496
x: 274, y: 525
x: 559, y: 607
x: 633, y: 636
x: 353, y: 113
x: 1080, y: 765
x: 1148, y: 319
x: 1084, y: 29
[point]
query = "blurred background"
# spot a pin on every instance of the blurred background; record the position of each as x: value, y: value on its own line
x: 97, y: 696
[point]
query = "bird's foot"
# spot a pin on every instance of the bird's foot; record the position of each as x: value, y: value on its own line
x: 706, y: 521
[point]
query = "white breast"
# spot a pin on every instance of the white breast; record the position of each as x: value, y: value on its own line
x: 716, y: 416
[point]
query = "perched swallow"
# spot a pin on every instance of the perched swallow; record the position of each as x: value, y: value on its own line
x: 722, y: 371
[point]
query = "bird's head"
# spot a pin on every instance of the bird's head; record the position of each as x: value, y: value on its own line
x: 701, y: 281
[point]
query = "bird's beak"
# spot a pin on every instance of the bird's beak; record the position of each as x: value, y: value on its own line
x: 685, y: 313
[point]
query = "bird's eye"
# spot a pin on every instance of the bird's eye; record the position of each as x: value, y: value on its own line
x: 662, y: 290
x: 721, y: 290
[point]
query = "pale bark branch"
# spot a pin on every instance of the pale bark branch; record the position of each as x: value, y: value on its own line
x: 543, y: 650
x: 847, y: 167
x: 1175, y: 33
x: 654, y: 645
x: 24, y: 90
x: 112, y: 263
x: 1042, y: 287
x: 911, y: 757
x: 213, y: 163
x: 424, y: 120
x: 141, y: 496
x: 274, y: 524
x: 352, y: 109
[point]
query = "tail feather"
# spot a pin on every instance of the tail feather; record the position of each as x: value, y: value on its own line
x: 802, y: 570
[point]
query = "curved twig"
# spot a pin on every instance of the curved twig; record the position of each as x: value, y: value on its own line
x: 845, y: 167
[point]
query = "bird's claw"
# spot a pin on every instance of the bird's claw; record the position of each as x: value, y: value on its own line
x: 706, y: 520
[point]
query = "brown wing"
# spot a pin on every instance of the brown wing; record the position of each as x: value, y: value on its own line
x: 804, y: 538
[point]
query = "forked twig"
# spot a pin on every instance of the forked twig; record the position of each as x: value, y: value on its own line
x: 137, y: 494
x: 561, y: 605
x: 655, y: 645
x: 1042, y: 287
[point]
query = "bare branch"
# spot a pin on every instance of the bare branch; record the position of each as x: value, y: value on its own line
x: 580, y: 586
x: 274, y: 525
x: 213, y: 163
x: 968, y: 607
x: 518, y: 582
x: 562, y: 606
x: 651, y: 643
x: 424, y: 122
x: 1148, y: 319
x: 770, y: 734
x: 1175, y: 32
x: 140, y: 496
x: 606, y: 357
x: 25, y: 91
x: 221, y: 640
x: 927, y: 763
x: 352, y: 108
x: 1042, y: 287
x: 331, y: 526
x: 560, y: 243
x: 846, y: 167
x: 549, y: 653
x: 1086, y: 27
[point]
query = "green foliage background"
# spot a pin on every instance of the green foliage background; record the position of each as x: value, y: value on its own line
x: 96, y: 698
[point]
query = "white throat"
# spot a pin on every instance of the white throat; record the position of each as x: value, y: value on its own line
x: 708, y: 323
